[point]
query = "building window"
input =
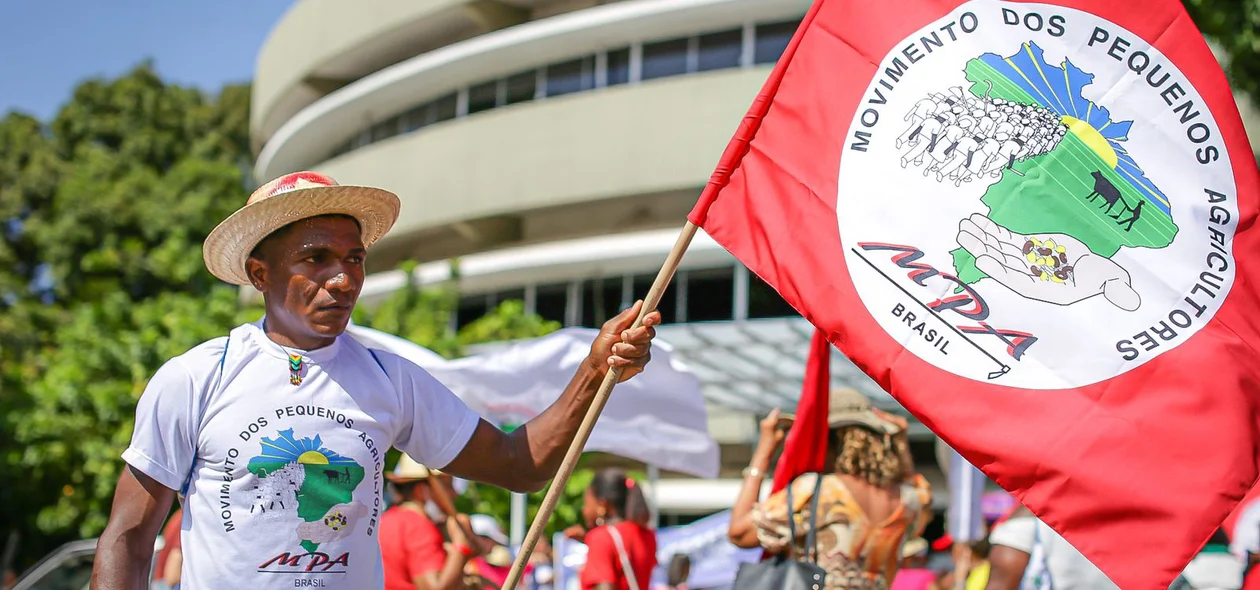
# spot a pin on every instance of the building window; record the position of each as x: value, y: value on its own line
x: 521, y: 87
x: 509, y: 295
x: 601, y: 300
x: 550, y: 301
x: 384, y: 130
x: 444, y: 108
x: 710, y: 295
x: 482, y: 97
x: 417, y: 118
x: 765, y: 302
x: 571, y: 76
x: 618, y: 66
x: 772, y: 39
x: 667, y: 58
x: 720, y: 50
x: 471, y: 308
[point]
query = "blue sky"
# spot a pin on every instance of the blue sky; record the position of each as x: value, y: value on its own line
x: 49, y: 46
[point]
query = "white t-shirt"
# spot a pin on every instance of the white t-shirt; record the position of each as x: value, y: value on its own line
x: 282, y: 483
x: 1068, y: 569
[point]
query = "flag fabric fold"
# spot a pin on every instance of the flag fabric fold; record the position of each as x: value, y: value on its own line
x: 805, y: 447
x: 1028, y: 223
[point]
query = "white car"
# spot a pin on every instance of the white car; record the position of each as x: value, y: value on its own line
x: 69, y: 567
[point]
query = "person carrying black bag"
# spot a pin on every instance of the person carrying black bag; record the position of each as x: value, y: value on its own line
x: 849, y: 523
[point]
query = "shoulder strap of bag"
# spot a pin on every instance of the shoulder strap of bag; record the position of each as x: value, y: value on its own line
x: 791, y: 518
x: 811, y: 538
x: 625, y: 558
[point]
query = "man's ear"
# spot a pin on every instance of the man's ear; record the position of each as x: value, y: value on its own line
x: 256, y: 270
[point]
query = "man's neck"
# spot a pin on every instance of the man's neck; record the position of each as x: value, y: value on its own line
x: 278, y: 334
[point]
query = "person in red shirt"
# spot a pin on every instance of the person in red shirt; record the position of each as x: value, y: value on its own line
x: 412, y: 547
x: 621, y: 552
x: 171, y: 558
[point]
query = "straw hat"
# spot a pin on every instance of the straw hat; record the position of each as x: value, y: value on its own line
x: 408, y: 470
x: 849, y: 407
x: 287, y: 199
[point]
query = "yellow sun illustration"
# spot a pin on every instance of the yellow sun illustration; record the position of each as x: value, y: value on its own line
x: 1092, y: 139
x: 312, y: 458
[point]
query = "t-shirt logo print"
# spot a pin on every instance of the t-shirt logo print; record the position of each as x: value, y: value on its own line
x: 301, y: 481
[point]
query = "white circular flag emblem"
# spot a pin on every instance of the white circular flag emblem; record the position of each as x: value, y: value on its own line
x: 1035, y: 197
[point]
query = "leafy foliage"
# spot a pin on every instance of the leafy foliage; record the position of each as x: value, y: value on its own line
x: 101, y: 280
x: 508, y: 321
x: 1235, y: 25
x: 102, y: 216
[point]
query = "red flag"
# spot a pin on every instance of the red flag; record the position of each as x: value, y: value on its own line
x: 805, y: 449
x: 1021, y: 220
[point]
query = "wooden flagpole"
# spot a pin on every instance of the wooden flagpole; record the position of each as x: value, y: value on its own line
x: 650, y: 302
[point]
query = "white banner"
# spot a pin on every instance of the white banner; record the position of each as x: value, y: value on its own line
x: 657, y: 418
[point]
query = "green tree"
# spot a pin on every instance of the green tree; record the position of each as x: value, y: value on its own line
x: 421, y: 315
x: 101, y: 280
x: 508, y: 321
x: 1235, y: 25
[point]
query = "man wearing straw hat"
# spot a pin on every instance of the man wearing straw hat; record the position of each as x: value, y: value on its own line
x: 274, y: 437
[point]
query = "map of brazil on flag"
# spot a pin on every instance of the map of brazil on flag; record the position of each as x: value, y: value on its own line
x: 1028, y: 222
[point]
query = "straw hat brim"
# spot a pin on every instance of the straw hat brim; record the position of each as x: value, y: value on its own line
x: 229, y: 245
x: 421, y: 474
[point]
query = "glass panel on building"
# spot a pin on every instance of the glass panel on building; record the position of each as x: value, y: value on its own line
x: 618, y: 66
x: 771, y: 40
x: 417, y: 118
x: 601, y: 301
x: 444, y: 108
x: 550, y: 300
x: 571, y: 76
x: 385, y: 129
x: 520, y: 87
x: 471, y: 308
x: 509, y: 295
x: 765, y: 302
x: 666, y: 58
x: 482, y: 97
x: 669, y: 299
x: 710, y: 295
x: 720, y: 50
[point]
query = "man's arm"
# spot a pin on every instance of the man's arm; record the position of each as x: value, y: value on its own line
x: 524, y: 460
x: 1006, y: 567
x: 125, y: 550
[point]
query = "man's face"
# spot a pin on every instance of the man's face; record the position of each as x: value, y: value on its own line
x: 310, y: 273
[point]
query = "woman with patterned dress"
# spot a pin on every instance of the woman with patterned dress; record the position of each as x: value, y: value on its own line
x: 870, y: 502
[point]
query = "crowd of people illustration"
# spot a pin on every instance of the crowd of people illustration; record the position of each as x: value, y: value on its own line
x: 963, y: 137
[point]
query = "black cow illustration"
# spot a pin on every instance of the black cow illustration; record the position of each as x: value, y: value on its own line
x: 1103, y: 188
x: 335, y: 476
x: 1134, y: 214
